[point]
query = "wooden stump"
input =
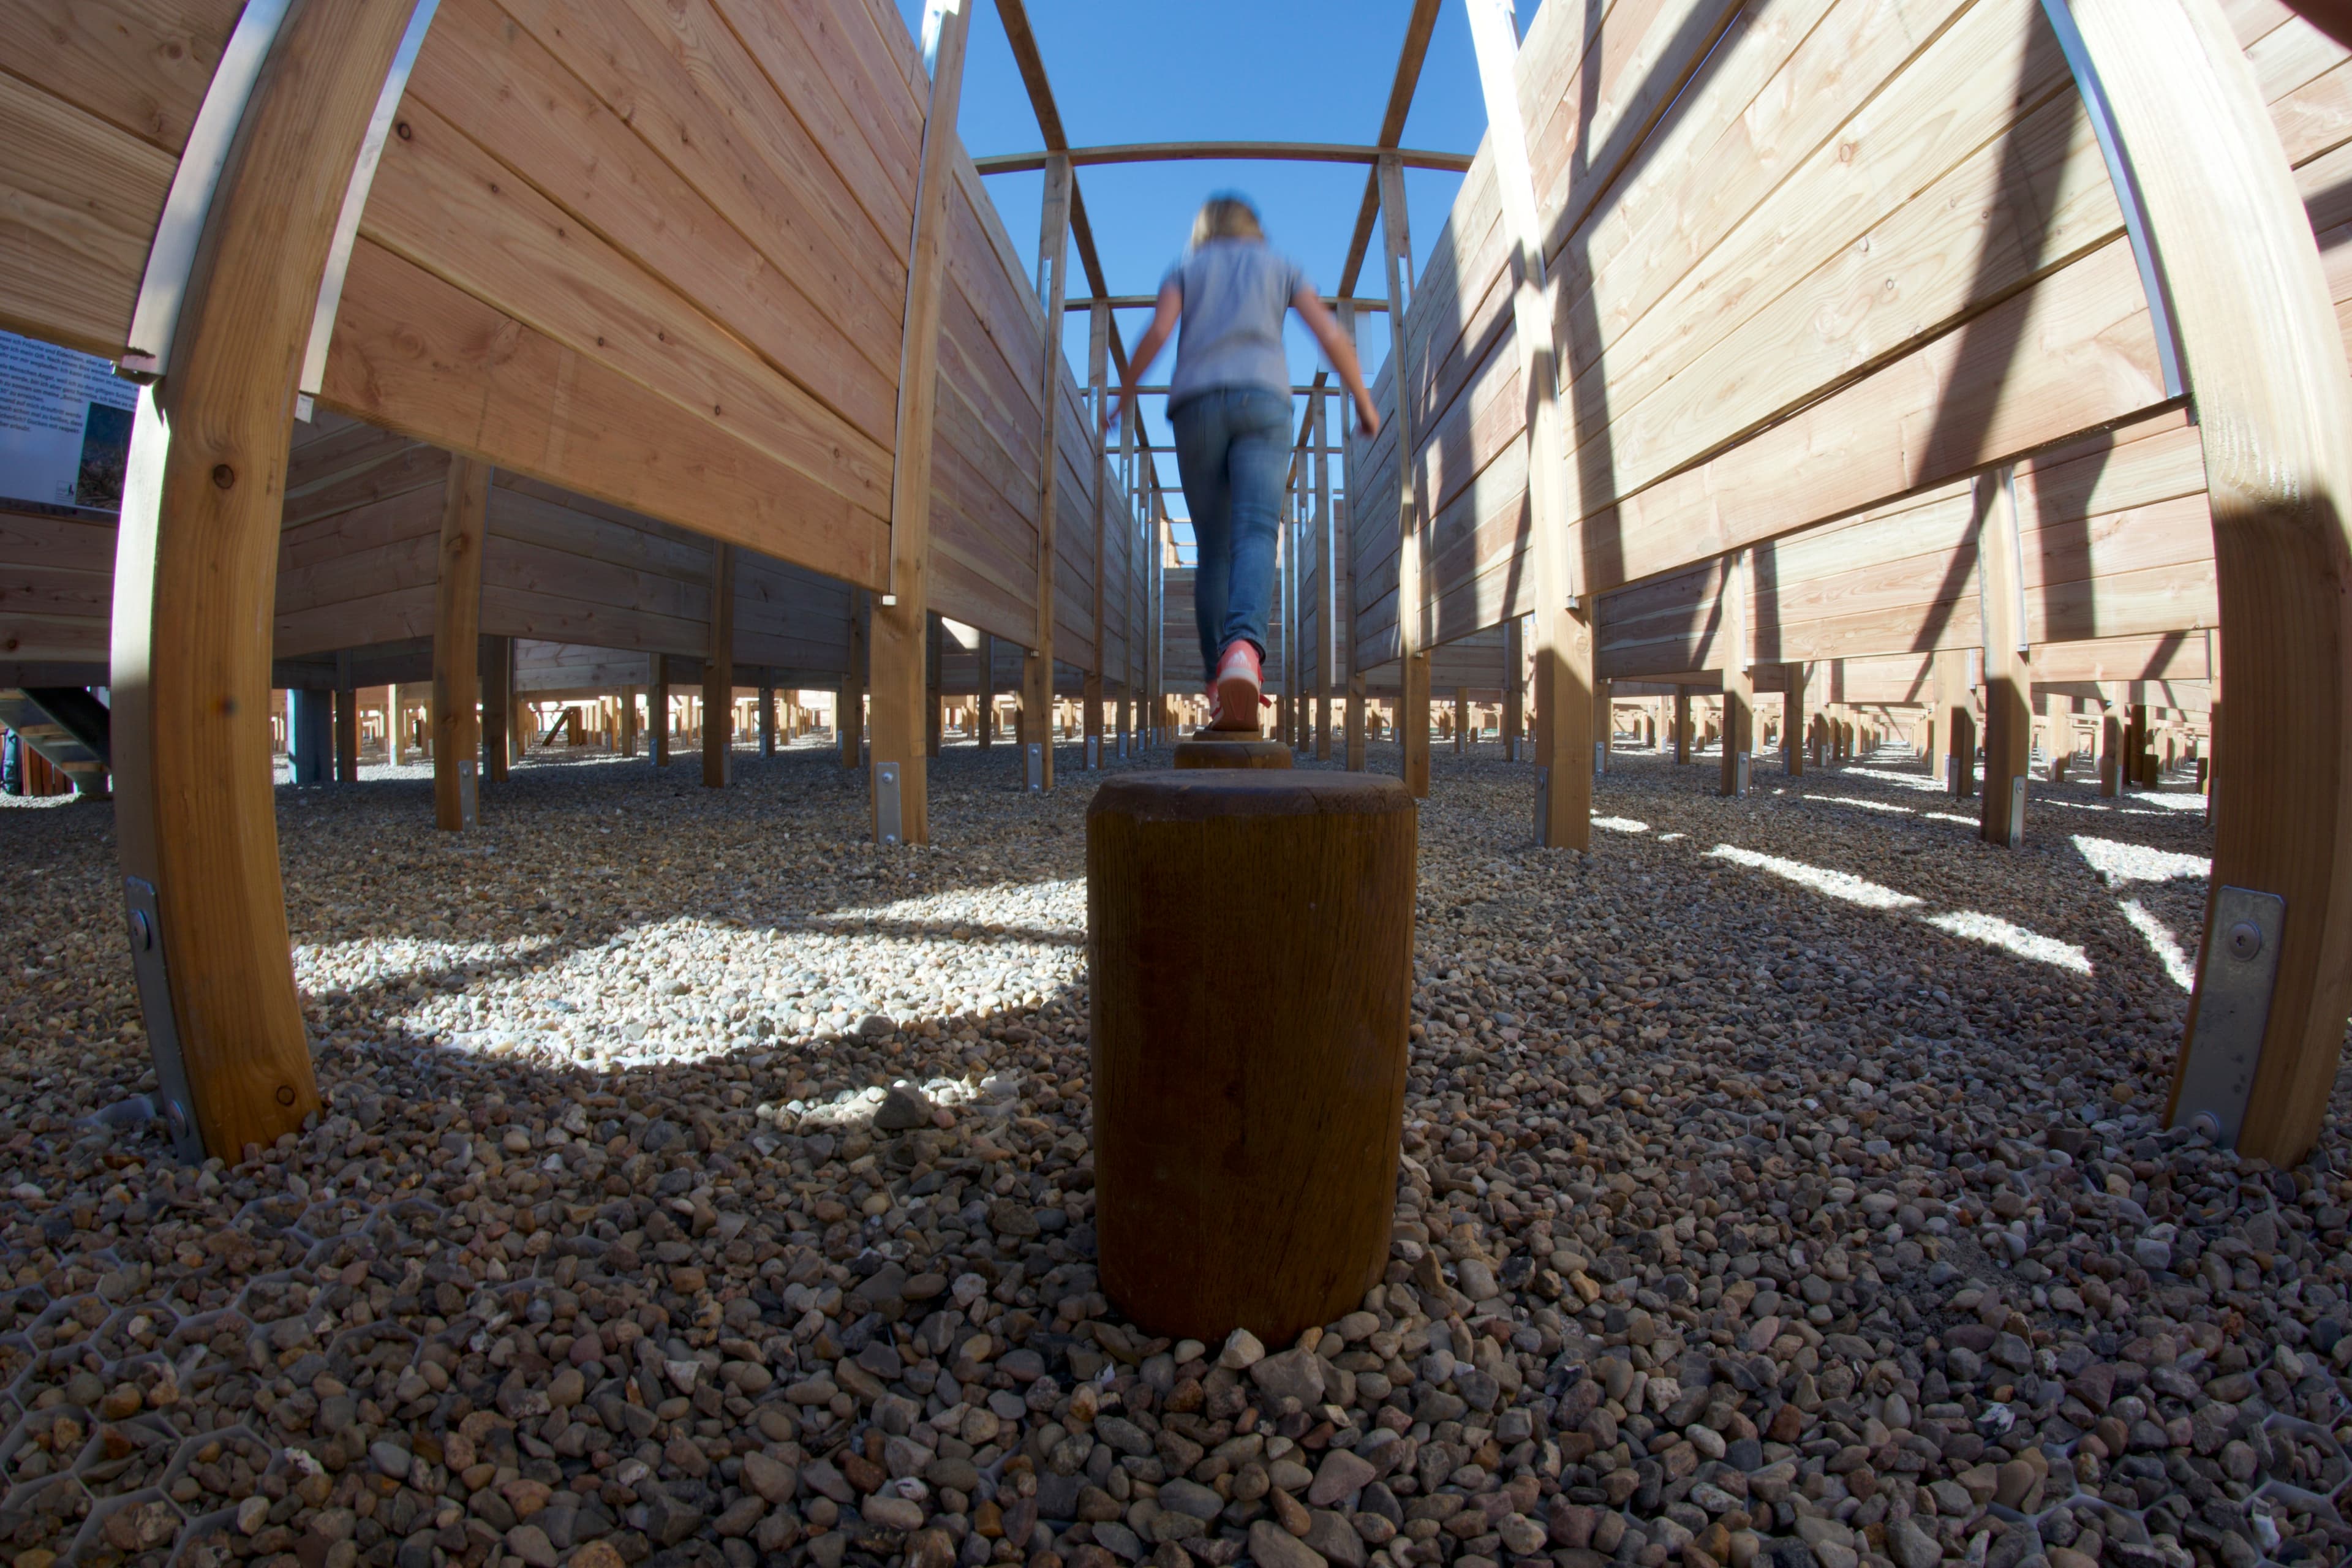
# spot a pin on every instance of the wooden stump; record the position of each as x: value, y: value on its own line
x: 1230, y: 749
x: 1250, y: 946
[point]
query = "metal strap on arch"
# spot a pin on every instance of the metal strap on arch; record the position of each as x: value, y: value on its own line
x: 2127, y: 189
x: 356, y: 195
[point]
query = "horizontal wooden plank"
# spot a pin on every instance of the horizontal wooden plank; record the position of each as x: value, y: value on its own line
x: 382, y: 618
x: 558, y: 523
x: 78, y: 201
x: 68, y: 543
x: 411, y: 514
x: 414, y: 354
x: 142, y: 66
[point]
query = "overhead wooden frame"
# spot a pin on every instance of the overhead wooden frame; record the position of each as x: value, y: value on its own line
x: 1244, y: 152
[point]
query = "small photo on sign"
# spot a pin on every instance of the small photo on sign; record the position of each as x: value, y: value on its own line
x: 65, y: 427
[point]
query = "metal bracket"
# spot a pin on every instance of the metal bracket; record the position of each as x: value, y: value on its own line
x: 1094, y: 753
x: 1599, y: 758
x: 2016, y: 812
x: 468, y: 793
x: 145, y: 919
x: 1739, y: 774
x: 356, y: 195
x: 164, y: 287
x: 1543, y: 802
x: 2233, y: 1009
x: 1036, y: 765
x: 889, y: 824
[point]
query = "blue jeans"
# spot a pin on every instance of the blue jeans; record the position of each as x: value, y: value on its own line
x: 1233, y: 449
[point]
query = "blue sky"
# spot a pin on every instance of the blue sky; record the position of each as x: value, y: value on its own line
x: 1177, y: 70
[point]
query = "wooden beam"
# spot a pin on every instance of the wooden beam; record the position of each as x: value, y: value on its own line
x: 456, y: 649
x: 718, y: 672
x: 849, y: 706
x: 2266, y: 366
x: 1415, y: 50
x: 1565, y: 641
x: 1515, y: 660
x: 1327, y: 607
x: 196, y: 553
x: 899, y: 650
x: 1792, y: 719
x: 1414, y: 677
x: 1239, y: 152
x: 657, y: 709
x: 1037, y: 669
x: 1152, y: 301
x: 496, y: 665
x: 768, y: 712
x: 2007, y: 674
x: 1097, y: 375
x: 1739, y: 686
x: 1345, y: 540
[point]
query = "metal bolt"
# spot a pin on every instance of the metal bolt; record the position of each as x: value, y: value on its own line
x: 142, y: 931
x: 2208, y: 1123
x: 285, y: 1094
x: 2246, y: 942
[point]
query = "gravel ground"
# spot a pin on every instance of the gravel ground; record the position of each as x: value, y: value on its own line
x: 700, y: 1185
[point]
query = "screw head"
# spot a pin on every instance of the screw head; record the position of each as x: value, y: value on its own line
x: 142, y: 930
x: 2246, y: 942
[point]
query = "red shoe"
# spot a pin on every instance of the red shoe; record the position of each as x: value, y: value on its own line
x: 1236, y: 691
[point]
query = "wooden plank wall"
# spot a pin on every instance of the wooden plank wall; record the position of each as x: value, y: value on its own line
x: 1814, y: 264
x: 652, y: 252
x: 56, y: 598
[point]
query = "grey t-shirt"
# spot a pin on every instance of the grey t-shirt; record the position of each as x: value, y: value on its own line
x: 1236, y: 292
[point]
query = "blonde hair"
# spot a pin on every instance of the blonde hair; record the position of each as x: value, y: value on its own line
x: 1228, y: 215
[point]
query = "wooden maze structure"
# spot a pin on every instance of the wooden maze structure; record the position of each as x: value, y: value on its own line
x: 1952, y: 357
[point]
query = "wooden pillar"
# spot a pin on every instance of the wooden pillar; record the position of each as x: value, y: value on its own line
x: 347, y: 735
x: 657, y: 713
x: 1037, y: 668
x: 195, y: 573
x: 1327, y: 577
x: 1461, y: 720
x: 456, y: 649
x: 1738, y: 683
x: 1343, y: 535
x: 1412, y: 674
x: 2008, y: 678
x: 768, y: 712
x: 1566, y: 650
x: 1792, y: 719
x: 2268, y: 387
x: 496, y: 665
x: 1259, y: 876
x: 985, y: 653
x: 1950, y: 676
x: 901, y: 627
x: 934, y: 698
x: 1098, y: 358
x: 1514, y: 688
x: 849, y: 703
x: 718, y: 672
x: 1682, y: 724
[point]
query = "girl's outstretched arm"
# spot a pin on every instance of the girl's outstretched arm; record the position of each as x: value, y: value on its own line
x: 1339, y: 351
x: 1155, y: 338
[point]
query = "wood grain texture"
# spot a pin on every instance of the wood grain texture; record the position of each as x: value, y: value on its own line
x: 194, y: 807
x: 78, y: 201
x: 1295, y: 890
x: 2267, y: 375
x: 457, y: 631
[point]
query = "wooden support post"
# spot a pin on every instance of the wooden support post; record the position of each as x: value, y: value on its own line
x: 1792, y: 719
x: 1097, y: 360
x: 1461, y: 720
x: 1964, y: 747
x: 1515, y: 660
x: 496, y: 665
x: 1412, y: 674
x: 1682, y: 724
x: 1037, y: 668
x: 1196, y: 1100
x: 1327, y: 577
x: 1566, y: 641
x: 457, y: 647
x: 347, y: 735
x: 1738, y: 683
x: 2266, y: 367
x: 718, y: 672
x: 195, y: 573
x: 2008, y: 677
x: 1951, y: 678
x: 657, y: 713
x: 849, y: 705
x: 768, y: 712
x: 986, y: 701
x: 934, y: 698
x: 900, y: 644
